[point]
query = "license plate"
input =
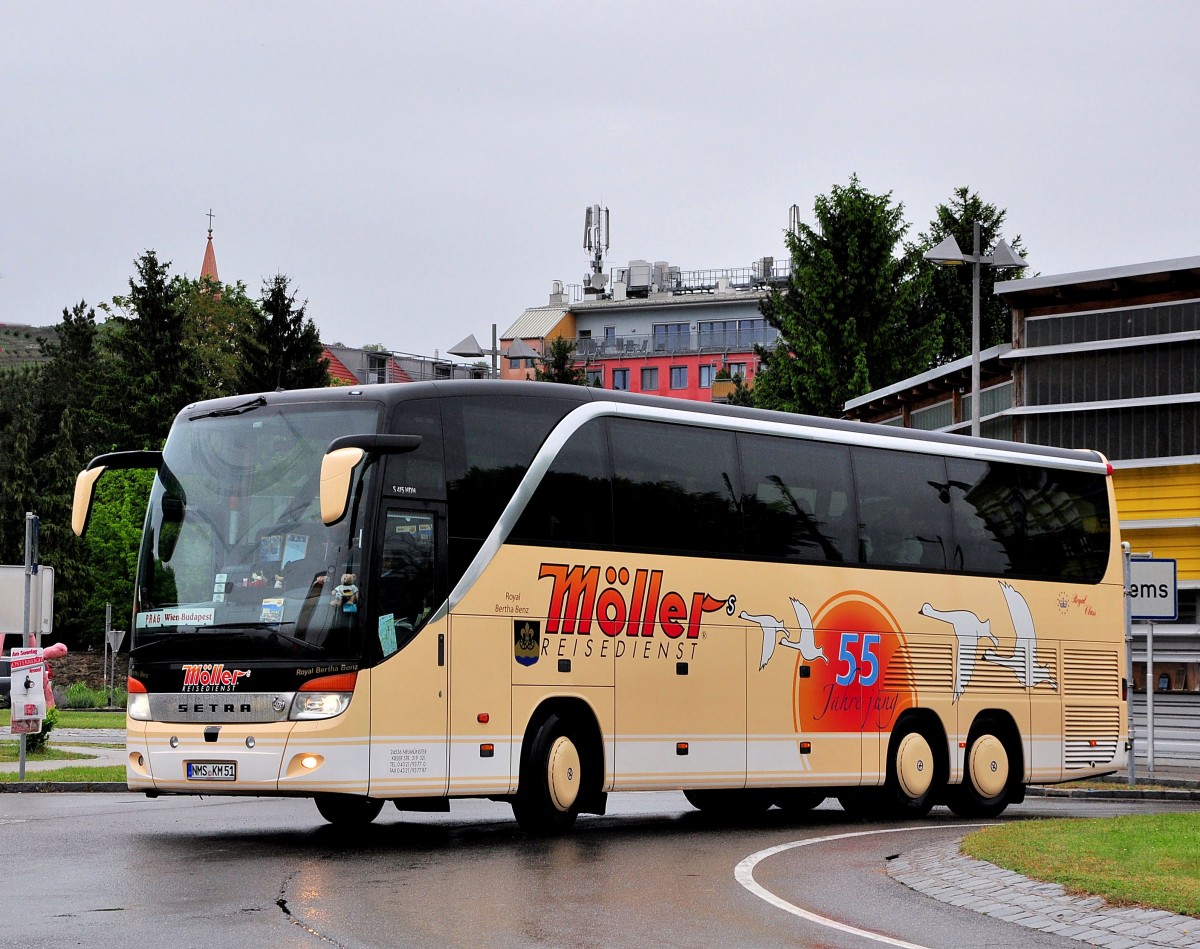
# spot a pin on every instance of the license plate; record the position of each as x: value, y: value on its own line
x: 212, y: 770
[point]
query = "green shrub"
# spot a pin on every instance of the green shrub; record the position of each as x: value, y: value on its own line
x: 35, y: 743
x: 82, y: 695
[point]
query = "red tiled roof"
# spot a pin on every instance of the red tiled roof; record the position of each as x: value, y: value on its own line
x: 338, y: 371
x: 396, y: 374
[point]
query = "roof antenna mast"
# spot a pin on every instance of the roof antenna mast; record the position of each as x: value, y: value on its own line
x: 596, y: 240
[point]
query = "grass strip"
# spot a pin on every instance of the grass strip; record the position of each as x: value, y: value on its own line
x: 105, y: 773
x: 1143, y: 860
x: 11, y: 751
x: 68, y: 718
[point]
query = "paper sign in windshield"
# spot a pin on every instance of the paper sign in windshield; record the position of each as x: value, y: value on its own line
x: 175, y: 616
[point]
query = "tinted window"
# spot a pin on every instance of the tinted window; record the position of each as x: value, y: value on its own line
x: 419, y: 473
x: 797, y: 504
x: 573, y: 504
x: 1025, y: 521
x: 675, y: 488
x: 903, y: 509
x: 489, y: 444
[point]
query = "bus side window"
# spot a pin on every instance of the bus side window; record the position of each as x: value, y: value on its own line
x: 903, y: 508
x: 675, y: 489
x: 795, y: 504
x: 573, y: 504
x: 989, y: 517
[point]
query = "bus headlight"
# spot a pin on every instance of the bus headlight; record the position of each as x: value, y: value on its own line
x: 323, y: 697
x: 310, y: 705
x: 138, y: 704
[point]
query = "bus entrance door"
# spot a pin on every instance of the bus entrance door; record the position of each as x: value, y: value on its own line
x: 409, y: 751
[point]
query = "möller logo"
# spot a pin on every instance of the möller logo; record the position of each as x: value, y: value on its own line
x: 212, y: 677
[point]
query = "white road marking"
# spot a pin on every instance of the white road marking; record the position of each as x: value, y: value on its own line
x: 744, y: 873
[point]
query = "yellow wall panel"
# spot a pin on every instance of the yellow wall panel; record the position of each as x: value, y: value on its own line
x: 1152, y: 493
x: 1182, y: 545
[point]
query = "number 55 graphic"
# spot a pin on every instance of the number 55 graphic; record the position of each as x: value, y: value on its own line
x: 865, y: 666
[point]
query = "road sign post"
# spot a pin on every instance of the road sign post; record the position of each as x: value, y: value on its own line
x: 1153, y: 596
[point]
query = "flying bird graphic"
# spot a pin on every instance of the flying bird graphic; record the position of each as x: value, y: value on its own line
x: 968, y: 630
x: 1023, y: 661
x: 775, y: 632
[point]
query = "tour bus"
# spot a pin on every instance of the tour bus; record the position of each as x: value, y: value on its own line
x: 541, y: 594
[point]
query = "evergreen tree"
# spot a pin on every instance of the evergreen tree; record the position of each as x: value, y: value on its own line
x: 283, y: 349
x: 851, y: 318
x: 558, y: 363
x: 949, y: 294
x: 156, y: 372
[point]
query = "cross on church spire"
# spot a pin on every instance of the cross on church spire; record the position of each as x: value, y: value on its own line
x: 210, y: 217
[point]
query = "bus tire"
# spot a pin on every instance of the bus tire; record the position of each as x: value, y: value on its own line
x: 798, y: 800
x: 985, y: 790
x: 348, y: 810
x: 730, y: 803
x: 912, y: 783
x: 548, y: 796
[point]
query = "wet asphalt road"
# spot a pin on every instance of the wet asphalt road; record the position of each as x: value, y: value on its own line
x: 120, y: 870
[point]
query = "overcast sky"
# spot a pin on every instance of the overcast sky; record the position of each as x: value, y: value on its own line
x: 421, y: 170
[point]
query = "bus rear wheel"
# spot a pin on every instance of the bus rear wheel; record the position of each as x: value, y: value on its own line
x: 547, y: 799
x: 911, y: 785
x: 348, y: 810
x: 984, y: 791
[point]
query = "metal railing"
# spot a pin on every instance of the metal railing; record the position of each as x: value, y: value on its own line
x: 635, y: 345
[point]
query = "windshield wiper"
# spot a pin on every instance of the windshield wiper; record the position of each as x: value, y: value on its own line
x: 235, y: 410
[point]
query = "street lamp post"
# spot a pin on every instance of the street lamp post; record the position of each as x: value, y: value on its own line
x: 949, y: 254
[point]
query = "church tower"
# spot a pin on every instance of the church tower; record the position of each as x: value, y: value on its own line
x: 209, y: 267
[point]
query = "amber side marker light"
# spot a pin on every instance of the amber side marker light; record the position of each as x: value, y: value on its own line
x: 681, y: 747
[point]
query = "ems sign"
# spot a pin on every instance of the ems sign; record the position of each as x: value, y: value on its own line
x: 1152, y: 589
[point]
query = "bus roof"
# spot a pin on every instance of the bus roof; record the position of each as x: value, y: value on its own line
x: 392, y: 394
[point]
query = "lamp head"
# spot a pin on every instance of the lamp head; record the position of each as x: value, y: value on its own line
x: 1003, y: 256
x: 947, y: 253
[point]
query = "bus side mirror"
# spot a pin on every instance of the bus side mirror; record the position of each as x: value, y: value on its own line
x: 85, y: 492
x: 343, y: 455
x: 85, y: 481
x: 336, y: 468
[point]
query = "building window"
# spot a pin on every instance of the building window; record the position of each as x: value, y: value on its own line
x: 679, y: 377
x: 595, y: 377
x: 737, y: 370
x: 620, y: 379
x: 734, y: 334
x: 672, y: 336
x: 650, y: 379
x: 706, y: 376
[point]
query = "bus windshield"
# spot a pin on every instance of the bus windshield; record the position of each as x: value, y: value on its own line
x: 235, y: 561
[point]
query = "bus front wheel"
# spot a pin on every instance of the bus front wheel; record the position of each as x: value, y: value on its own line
x: 348, y: 810
x: 984, y: 791
x: 547, y: 799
